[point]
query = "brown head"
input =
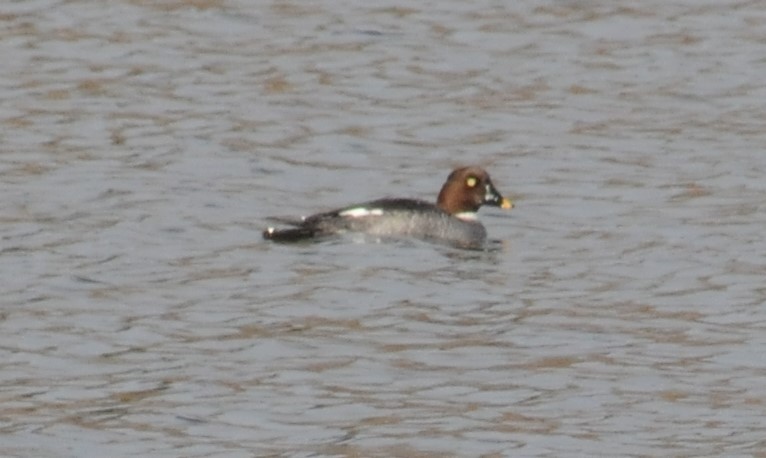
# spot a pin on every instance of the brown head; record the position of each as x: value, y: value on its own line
x: 467, y: 189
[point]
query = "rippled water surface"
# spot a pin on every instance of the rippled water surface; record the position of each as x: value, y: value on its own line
x: 144, y: 144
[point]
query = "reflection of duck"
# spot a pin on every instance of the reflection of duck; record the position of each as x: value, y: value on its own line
x: 452, y: 219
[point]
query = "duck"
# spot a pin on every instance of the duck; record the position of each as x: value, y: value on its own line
x: 452, y: 219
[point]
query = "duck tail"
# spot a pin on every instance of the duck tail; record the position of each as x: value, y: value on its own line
x: 295, y: 234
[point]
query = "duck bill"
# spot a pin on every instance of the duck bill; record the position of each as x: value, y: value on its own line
x: 493, y: 198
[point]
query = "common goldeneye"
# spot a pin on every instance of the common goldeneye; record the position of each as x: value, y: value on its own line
x: 452, y: 219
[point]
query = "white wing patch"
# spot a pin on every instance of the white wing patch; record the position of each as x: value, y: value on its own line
x: 359, y: 212
x: 466, y: 216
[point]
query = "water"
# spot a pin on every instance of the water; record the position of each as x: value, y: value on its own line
x: 145, y: 144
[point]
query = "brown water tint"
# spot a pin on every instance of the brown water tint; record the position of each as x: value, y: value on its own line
x: 143, y: 145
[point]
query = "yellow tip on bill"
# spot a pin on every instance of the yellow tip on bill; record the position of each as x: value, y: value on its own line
x: 506, y: 203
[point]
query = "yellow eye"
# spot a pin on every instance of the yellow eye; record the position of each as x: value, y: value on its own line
x: 470, y: 182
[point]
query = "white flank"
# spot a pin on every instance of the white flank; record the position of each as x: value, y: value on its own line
x: 359, y: 212
x: 466, y: 216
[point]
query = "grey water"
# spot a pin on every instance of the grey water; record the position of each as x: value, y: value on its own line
x: 144, y: 145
